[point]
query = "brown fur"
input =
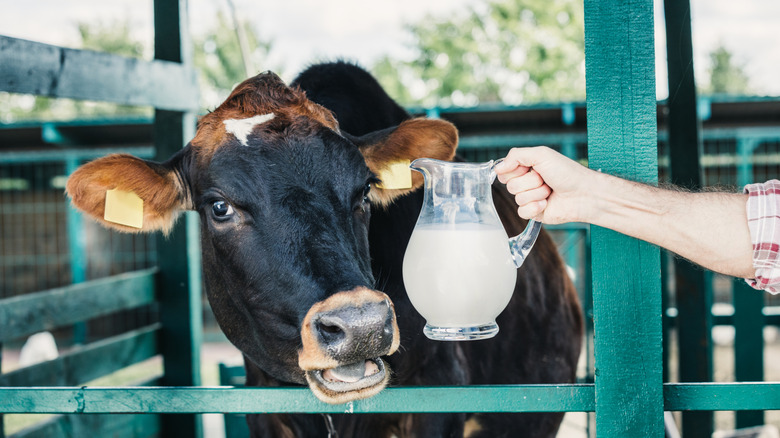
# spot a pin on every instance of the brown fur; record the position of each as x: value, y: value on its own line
x: 414, y: 138
x: 164, y: 197
x: 471, y: 427
x: 159, y: 189
x: 263, y: 94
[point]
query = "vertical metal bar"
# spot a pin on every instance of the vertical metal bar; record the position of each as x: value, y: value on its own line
x: 622, y: 140
x: 2, y: 420
x: 667, y: 323
x: 4, y: 292
x: 179, y: 285
x: 572, y: 254
x: 694, y: 305
x: 748, y: 344
x: 694, y: 331
x: 745, y: 148
x: 588, y: 311
x: 179, y: 291
x: 77, y: 249
x: 748, y: 308
x: 575, y: 258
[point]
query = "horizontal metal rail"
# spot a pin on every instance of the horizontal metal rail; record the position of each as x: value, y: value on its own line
x: 470, y: 142
x: 53, y: 156
x: 736, y: 396
x: 499, y: 398
x: 46, y: 70
x: 771, y: 315
x: 115, y: 426
x: 182, y: 400
x: 31, y: 313
x: 89, y: 362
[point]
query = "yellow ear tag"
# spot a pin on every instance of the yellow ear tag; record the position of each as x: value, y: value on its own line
x: 396, y: 175
x: 124, y: 208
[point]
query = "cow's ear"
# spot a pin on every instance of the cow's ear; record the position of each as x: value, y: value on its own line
x: 412, y: 139
x: 161, y: 192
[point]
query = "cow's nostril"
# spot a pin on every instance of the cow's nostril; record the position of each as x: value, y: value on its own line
x: 388, y: 328
x: 331, y: 331
x: 351, y: 333
x: 331, y: 328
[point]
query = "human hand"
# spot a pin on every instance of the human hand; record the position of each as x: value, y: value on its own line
x: 547, y: 186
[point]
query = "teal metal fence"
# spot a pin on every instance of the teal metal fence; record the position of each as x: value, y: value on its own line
x: 168, y: 84
x: 721, y: 162
x: 627, y: 395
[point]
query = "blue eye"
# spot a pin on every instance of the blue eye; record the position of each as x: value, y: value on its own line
x: 221, y: 210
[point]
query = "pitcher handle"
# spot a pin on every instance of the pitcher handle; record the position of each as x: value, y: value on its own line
x: 521, y: 244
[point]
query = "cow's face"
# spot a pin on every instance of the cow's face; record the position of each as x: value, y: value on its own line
x: 284, y: 199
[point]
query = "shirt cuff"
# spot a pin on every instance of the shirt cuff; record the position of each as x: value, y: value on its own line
x: 763, y: 215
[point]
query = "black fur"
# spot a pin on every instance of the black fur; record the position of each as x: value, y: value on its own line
x: 296, y: 238
x: 541, y: 329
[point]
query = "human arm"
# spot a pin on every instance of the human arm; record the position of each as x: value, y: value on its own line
x: 707, y: 228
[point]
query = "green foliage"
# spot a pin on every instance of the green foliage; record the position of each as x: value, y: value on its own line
x: 508, y: 51
x: 726, y: 76
x: 111, y: 37
x: 218, y: 59
x: 216, y: 56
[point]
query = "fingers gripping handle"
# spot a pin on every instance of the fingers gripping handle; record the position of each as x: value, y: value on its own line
x: 521, y: 244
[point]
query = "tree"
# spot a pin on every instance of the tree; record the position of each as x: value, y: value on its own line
x: 218, y: 58
x: 112, y: 37
x: 726, y: 76
x: 509, y: 51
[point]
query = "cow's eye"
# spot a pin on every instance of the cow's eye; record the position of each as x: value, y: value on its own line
x: 361, y: 199
x: 366, y: 190
x: 221, y: 210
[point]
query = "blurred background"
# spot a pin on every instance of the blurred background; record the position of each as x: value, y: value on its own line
x: 432, y: 53
x: 506, y: 72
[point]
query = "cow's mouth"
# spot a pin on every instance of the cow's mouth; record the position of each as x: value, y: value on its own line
x: 348, y: 382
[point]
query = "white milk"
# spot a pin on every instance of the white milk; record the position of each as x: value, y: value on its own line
x: 458, y: 278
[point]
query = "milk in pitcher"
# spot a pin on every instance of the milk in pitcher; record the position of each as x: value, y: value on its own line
x: 459, y: 276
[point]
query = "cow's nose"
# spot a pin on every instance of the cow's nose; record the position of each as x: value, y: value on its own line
x: 346, y: 328
x: 352, y: 333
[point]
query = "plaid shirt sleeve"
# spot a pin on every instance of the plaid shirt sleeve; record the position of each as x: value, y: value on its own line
x: 763, y: 213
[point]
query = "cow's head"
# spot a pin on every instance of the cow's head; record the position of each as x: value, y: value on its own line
x: 284, y: 199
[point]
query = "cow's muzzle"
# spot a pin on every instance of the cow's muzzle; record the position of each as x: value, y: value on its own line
x: 343, y: 340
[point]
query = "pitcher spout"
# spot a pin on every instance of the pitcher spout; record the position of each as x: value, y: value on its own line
x: 425, y: 165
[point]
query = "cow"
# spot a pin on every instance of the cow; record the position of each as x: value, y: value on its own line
x: 303, y: 248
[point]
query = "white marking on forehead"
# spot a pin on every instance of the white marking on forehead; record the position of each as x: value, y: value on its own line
x: 241, y: 128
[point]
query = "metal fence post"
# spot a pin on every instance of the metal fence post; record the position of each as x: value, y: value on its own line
x: 622, y: 140
x: 2, y: 417
x: 77, y: 249
x: 748, y: 344
x: 179, y: 284
x: 694, y: 302
x: 748, y: 308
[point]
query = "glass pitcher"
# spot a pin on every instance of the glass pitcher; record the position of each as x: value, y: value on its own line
x: 458, y: 269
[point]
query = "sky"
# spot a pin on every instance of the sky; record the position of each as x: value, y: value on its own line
x: 306, y: 31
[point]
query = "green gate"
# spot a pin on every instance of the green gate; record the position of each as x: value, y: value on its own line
x: 628, y: 396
